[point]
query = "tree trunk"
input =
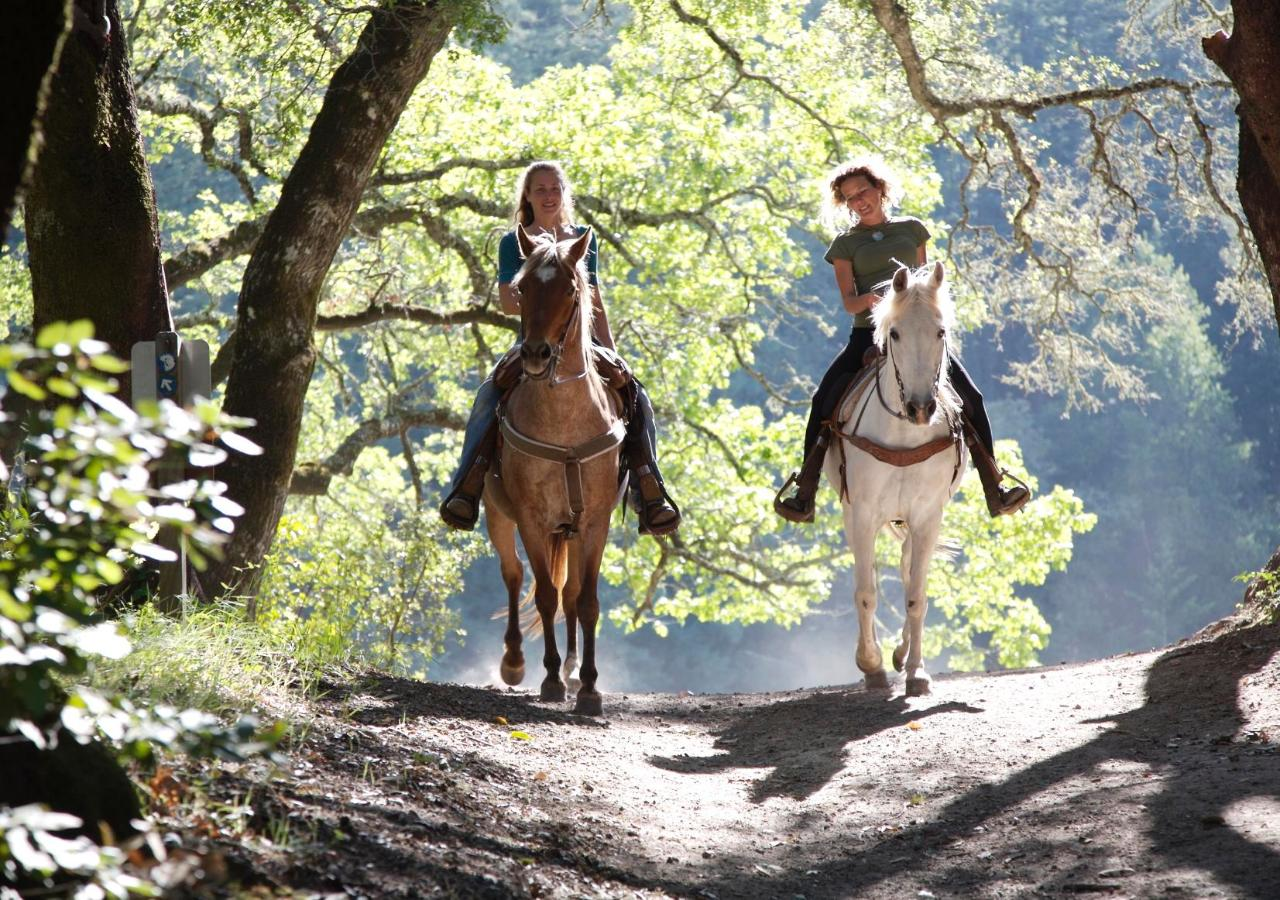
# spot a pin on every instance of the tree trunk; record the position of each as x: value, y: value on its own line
x: 91, y: 213
x: 1250, y: 57
x: 275, y: 323
x: 29, y: 48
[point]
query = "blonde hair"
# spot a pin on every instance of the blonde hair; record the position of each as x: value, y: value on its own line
x: 835, y: 211
x: 522, y: 210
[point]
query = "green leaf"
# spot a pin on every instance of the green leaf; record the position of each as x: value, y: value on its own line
x: 62, y: 387
x: 23, y: 386
x: 51, y: 335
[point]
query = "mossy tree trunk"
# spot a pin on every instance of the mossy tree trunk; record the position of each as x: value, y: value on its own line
x: 91, y: 212
x: 275, y: 323
x: 1250, y: 57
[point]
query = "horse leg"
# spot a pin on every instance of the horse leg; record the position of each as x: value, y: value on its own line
x: 543, y: 559
x: 900, y: 653
x: 502, y: 534
x: 861, y: 534
x: 923, y: 541
x: 569, y: 603
x: 590, y: 702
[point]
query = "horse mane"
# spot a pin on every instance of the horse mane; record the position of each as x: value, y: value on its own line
x: 894, y: 305
x: 550, y: 251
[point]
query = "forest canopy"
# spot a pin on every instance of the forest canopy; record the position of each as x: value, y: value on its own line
x: 697, y: 136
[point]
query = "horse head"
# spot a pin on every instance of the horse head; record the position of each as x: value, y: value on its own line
x: 552, y: 285
x: 912, y: 327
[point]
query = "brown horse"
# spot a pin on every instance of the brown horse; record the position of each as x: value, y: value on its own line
x: 557, y: 479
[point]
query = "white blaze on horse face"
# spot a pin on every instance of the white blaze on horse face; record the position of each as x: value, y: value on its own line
x: 918, y: 354
x: 546, y: 273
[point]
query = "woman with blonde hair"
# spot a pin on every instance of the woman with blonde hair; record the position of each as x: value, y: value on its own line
x: 864, y: 258
x: 544, y: 205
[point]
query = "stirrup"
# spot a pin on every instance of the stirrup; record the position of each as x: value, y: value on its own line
x: 1017, y: 504
x: 644, y: 507
x: 457, y: 520
x: 782, y: 508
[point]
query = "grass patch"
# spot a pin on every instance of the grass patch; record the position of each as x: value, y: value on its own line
x: 214, y: 660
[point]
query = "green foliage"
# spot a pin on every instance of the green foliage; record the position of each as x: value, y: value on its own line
x: 31, y: 848
x: 1263, y: 594
x: 349, y: 570
x: 986, y: 623
x: 703, y: 186
x: 81, y: 511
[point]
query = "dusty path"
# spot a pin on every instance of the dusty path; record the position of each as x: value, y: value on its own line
x: 1154, y: 775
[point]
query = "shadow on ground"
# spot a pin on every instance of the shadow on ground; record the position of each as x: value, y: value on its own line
x: 804, y: 741
x: 1191, y: 710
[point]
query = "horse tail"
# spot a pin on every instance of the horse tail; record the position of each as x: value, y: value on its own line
x: 530, y: 620
x: 559, y: 564
x: 947, y: 549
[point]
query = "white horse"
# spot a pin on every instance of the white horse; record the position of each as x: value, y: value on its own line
x: 899, y: 460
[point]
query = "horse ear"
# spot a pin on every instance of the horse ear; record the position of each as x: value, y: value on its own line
x: 578, y: 248
x: 900, y: 279
x: 938, y: 275
x: 524, y: 241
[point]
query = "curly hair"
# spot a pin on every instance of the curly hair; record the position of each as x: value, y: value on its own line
x: 872, y: 168
x: 522, y: 210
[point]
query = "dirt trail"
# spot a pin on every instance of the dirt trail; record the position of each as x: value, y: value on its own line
x: 1151, y: 775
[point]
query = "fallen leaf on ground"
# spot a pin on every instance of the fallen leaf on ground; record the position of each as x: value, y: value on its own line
x: 501, y: 720
x: 914, y: 725
x: 522, y: 735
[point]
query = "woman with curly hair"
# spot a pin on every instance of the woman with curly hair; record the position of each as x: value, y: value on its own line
x: 864, y: 258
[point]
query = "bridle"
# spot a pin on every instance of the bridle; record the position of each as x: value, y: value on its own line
x: 902, y: 390
x: 557, y: 349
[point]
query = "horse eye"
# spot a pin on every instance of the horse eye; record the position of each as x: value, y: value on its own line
x: 942, y: 332
x: 893, y: 333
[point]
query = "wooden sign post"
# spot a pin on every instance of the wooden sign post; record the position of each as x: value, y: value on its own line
x: 170, y: 368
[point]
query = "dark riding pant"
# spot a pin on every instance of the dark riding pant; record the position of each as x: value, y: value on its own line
x: 848, y: 363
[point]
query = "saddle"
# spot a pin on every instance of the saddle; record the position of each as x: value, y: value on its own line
x: 611, y: 367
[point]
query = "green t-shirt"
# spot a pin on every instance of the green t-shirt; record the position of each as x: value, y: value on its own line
x: 876, y: 252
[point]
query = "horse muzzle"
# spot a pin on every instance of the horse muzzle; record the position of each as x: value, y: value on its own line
x: 921, y: 413
x: 535, y: 357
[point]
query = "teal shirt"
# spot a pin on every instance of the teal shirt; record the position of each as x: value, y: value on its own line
x: 876, y: 252
x: 509, y: 261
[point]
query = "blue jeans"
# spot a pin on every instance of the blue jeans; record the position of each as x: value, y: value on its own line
x: 484, y: 413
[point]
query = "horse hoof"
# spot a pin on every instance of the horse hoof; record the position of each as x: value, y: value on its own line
x: 589, y: 704
x: 898, y: 656
x: 552, y: 690
x: 512, y: 675
x: 919, y: 687
x: 876, y: 681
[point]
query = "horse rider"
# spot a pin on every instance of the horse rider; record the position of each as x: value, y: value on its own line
x: 544, y: 205
x: 865, y: 257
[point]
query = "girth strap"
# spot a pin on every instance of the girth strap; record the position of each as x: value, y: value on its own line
x: 905, y: 457
x: 571, y: 458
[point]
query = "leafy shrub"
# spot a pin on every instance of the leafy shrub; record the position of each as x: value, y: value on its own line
x: 82, y: 510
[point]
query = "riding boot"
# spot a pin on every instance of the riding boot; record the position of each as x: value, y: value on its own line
x: 1000, y: 501
x: 656, y: 510
x: 461, y: 508
x: 799, y: 506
